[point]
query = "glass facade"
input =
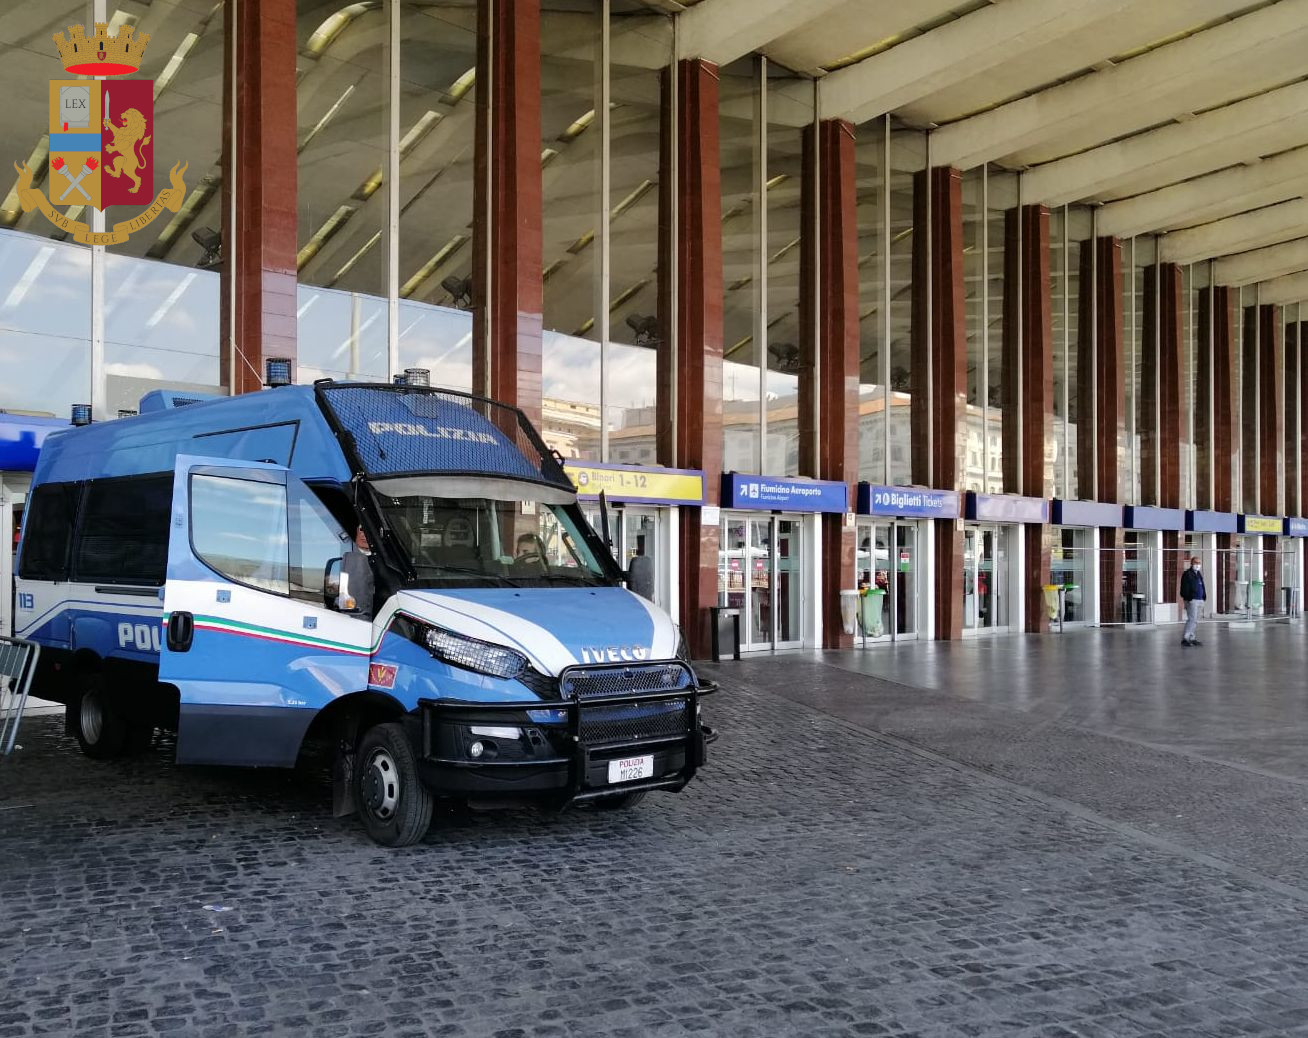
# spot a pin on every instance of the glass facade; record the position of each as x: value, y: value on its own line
x: 386, y: 100
x: 907, y: 156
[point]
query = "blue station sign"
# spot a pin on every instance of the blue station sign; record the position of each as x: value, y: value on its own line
x: 1152, y: 517
x: 907, y: 502
x: 781, y: 493
x: 1006, y: 508
x: 1199, y: 520
x: 1084, y: 513
x: 1296, y: 527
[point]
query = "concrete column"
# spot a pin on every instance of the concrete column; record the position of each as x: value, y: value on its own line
x: 939, y: 370
x: 508, y: 292
x: 258, y: 276
x: 690, y: 373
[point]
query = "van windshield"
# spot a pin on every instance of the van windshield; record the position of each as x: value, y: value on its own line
x: 456, y: 541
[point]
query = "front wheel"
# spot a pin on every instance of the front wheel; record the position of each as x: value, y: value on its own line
x: 392, y: 801
x: 100, y: 730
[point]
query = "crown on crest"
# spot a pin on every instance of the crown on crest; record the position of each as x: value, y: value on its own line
x: 101, y: 54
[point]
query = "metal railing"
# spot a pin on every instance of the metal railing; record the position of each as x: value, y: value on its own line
x: 17, y: 665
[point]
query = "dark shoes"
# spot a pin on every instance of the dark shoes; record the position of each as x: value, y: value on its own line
x: 1185, y: 644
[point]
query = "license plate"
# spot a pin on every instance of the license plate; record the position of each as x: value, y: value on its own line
x: 630, y: 769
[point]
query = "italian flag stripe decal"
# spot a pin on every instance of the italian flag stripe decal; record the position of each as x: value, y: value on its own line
x: 217, y: 623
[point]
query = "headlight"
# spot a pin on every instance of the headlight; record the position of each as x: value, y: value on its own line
x: 474, y: 654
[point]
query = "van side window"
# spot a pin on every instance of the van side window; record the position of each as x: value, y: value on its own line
x: 123, y: 530
x: 238, y: 526
x: 316, y: 539
x: 48, y: 531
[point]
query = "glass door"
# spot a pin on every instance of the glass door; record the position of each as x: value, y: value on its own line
x: 760, y: 572
x: 904, y: 599
x: 885, y: 557
x: 985, y: 578
x: 788, y: 595
x: 758, y: 628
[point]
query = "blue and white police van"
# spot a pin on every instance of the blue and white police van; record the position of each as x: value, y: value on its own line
x: 400, y: 573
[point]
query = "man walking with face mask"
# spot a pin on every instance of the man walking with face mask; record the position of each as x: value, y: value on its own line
x: 1193, y: 594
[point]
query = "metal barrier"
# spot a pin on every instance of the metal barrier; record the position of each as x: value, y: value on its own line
x: 17, y: 665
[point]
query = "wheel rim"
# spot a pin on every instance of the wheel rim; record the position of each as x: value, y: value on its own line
x: 381, y: 785
x: 92, y: 718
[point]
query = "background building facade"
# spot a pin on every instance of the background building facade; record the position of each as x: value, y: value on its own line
x: 1026, y: 256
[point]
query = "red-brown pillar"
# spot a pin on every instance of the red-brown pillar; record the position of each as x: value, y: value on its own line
x: 832, y: 439
x: 1160, y: 389
x: 1271, y: 439
x: 1292, y: 503
x: 259, y: 252
x: 1101, y: 382
x: 1161, y: 369
x: 1249, y: 442
x: 507, y: 313
x: 939, y: 370
x: 690, y: 434
x: 1301, y: 444
x: 1028, y: 400
x: 1271, y: 412
x: 1213, y: 428
x: 1101, y: 403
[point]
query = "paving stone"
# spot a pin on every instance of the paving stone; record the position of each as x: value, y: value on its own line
x: 817, y: 879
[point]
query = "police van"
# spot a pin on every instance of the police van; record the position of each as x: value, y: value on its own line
x: 400, y: 573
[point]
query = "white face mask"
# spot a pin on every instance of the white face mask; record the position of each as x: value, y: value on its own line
x: 1195, y: 567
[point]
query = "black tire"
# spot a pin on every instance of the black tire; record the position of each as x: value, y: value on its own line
x: 100, y: 730
x: 620, y: 801
x: 392, y: 801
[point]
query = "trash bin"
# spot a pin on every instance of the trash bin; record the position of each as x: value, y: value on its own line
x: 1255, y: 596
x: 874, y: 606
x: 726, y: 631
x: 848, y: 610
x: 1287, y: 601
x: 1071, y: 598
x: 1051, y: 600
x: 1138, y: 599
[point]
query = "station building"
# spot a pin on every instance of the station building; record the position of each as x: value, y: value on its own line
x: 949, y: 302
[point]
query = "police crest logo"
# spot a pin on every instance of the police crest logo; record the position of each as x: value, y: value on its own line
x: 101, y: 139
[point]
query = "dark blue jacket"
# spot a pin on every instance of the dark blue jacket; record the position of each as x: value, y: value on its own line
x: 1192, y: 585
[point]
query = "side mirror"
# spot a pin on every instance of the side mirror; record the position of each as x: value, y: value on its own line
x: 640, y: 576
x: 331, y: 582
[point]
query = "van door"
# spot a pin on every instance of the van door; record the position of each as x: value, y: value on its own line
x: 249, y: 640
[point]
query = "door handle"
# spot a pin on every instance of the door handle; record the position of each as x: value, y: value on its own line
x: 181, y: 631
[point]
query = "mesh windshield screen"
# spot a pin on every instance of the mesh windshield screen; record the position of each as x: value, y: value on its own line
x: 399, y: 430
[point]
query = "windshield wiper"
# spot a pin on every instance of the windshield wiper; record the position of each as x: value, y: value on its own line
x: 461, y: 571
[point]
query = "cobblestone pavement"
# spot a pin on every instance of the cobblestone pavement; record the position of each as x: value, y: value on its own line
x: 833, y: 871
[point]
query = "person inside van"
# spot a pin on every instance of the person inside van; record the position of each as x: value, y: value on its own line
x: 356, y: 567
x: 530, y: 551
